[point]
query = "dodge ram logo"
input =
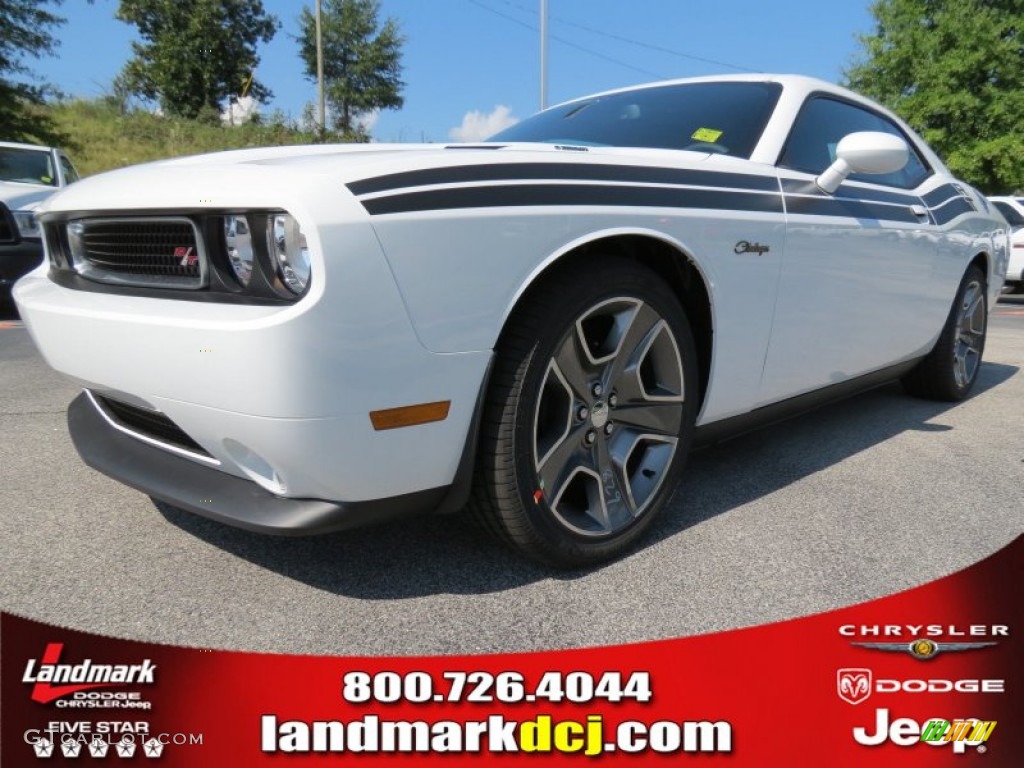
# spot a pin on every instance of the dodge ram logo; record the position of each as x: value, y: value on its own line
x: 853, y: 685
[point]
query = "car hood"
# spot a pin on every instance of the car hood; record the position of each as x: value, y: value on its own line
x: 275, y: 176
x: 18, y: 196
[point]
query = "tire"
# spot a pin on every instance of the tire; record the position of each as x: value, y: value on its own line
x: 951, y: 368
x: 569, y: 473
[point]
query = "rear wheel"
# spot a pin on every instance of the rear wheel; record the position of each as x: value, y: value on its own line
x: 590, y: 414
x: 951, y: 368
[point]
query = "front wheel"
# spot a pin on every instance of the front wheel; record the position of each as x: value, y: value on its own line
x: 951, y: 368
x: 590, y: 414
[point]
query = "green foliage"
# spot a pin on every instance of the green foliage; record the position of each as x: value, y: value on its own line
x: 24, y: 31
x: 197, y: 52
x: 362, y: 60
x: 107, y: 138
x: 954, y: 70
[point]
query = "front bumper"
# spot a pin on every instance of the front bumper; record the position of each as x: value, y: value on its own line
x: 18, y: 259
x: 277, y: 397
x: 1015, y: 269
x: 219, y: 496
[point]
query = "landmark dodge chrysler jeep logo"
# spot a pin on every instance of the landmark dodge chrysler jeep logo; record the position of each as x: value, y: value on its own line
x: 79, y: 677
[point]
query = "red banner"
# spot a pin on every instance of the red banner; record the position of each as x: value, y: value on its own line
x: 928, y: 677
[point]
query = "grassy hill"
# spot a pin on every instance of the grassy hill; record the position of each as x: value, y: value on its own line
x: 103, y: 138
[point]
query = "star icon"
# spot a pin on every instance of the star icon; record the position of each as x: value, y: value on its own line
x: 154, y: 748
x: 71, y: 748
x: 98, y: 747
x: 43, y: 748
x: 125, y: 748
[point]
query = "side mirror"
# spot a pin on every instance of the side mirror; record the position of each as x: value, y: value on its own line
x: 864, y: 152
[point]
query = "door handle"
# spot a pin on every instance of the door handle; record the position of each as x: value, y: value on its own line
x: 920, y: 211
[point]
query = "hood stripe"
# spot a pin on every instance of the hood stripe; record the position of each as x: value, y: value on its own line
x: 559, y: 172
x: 520, y: 195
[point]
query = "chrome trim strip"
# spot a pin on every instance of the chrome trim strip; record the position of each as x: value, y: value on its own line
x: 145, y: 438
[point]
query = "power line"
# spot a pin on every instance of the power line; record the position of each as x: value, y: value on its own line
x: 638, y: 43
x: 568, y: 43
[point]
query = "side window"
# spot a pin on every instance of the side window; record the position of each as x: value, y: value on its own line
x: 70, y: 174
x: 821, y: 124
x: 1013, y: 218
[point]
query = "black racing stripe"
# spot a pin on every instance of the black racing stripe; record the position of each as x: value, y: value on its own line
x: 946, y: 213
x: 798, y: 186
x: 571, y: 194
x: 940, y: 195
x: 857, y: 209
x: 561, y: 171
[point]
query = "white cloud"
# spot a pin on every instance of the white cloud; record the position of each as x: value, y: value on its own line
x: 477, y: 126
x: 366, y: 120
x: 239, y: 110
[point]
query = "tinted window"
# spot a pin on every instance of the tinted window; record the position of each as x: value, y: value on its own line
x: 1013, y: 218
x: 821, y: 124
x: 727, y: 118
x: 27, y: 165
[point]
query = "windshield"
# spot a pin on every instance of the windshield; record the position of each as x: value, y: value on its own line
x: 724, y: 117
x: 30, y: 166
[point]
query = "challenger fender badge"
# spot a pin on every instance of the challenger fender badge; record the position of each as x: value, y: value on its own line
x: 746, y: 247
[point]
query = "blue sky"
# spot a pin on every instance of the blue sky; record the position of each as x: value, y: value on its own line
x: 482, y: 56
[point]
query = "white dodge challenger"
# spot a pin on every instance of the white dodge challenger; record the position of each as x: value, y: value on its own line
x: 303, y: 339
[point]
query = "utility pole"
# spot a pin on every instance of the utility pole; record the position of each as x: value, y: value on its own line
x: 543, y: 54
x: 321, y: 119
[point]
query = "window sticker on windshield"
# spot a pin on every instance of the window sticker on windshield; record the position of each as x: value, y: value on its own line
x: 709, y: 135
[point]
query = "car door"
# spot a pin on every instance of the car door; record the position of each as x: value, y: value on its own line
x: 858, y: 264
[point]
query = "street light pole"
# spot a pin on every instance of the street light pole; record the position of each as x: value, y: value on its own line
x: 320, y: 72
x: 543, y: 54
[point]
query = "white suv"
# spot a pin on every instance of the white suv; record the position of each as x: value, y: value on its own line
x: 29, y: 174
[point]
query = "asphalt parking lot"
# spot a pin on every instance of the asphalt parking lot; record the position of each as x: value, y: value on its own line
x: 857, y: 500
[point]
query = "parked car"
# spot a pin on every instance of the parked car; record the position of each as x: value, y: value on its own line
x: 302, y: 339
x: 1012, y: 209
x: 28, y: 175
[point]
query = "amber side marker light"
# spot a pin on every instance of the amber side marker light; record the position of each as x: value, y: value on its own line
x: 410, y: 415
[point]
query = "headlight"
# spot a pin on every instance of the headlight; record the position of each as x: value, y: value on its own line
x: 238, y: 238
x: 289, y: 252
x: 27, y: 223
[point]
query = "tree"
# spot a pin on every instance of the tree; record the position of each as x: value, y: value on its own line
x: 24, y: 31
x: 954, y: 70
x: 362, y: 60
x: 197, y: 52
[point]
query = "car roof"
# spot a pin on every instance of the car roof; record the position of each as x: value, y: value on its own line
x: 19, y: 145
x: 800, y: 83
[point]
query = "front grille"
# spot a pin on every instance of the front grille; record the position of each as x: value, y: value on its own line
x: 7, y: 231
x: 157, y: 252
x: 151, y: 424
